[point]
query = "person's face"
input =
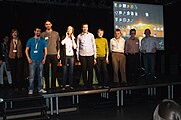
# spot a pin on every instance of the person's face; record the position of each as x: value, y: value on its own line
x: 69, y: 30
x: 133, y: 33
x: 48, y: 25
x: 100, y: 33
x: 117, y: 34
x: 85, y: 28
x: 37, y: 32
x: 6, y: 39
x: 147, y: 32
x: 15, y: 34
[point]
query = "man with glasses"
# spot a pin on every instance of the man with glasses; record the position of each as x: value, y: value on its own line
x: 132, y: 56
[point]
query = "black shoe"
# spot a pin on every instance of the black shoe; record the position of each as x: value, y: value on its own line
x: 10, y: 85
x: 99, y: 87
x: 1, y: 86
x: 107, y: 87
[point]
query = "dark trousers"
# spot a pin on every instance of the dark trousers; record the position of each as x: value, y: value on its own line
x: 16, y: 66
x: 87, y: 64
x: 51, y: 59
x: 68, y: 68
x: 149, y: 64
x: 101, y: 71
x: 132, y: 65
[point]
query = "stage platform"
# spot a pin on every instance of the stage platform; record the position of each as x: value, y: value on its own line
x: 52, y: 99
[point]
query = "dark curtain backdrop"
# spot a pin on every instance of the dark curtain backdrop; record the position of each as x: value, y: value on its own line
x: 26, y: 16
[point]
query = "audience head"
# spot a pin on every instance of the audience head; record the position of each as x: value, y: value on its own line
x: 167, y: 110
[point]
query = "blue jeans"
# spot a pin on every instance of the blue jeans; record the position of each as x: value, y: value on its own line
x: 68, y: 70
x: 149, y: 64
x: 3, y: 67
x: 37, y: 66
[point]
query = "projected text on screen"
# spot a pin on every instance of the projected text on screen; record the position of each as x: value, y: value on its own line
x: 139, y: 16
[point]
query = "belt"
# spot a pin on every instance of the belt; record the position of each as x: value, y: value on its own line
x: 118, y: 52
x: 132, y: 53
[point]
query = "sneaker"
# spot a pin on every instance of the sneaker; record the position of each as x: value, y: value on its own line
x: 63, y: 88
x: 71, y: 88
x: 30, y: 92
x: 42, y: 91
x: 106, y: 87
x: 100, y: 87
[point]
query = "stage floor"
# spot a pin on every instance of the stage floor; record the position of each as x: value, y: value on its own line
x: 93, y: 105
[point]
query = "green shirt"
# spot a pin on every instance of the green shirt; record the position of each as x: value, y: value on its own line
x: 101, y: 47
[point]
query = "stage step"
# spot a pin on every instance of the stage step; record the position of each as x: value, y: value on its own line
x: 23, y: 105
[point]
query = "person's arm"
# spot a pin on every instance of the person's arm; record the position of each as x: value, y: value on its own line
x: 126, y: 47
x: 63, y: 42
x: 77, y: 52
x: 45, y: 55
x: 142, y: 48
x: 1, y: 54
x: 111, y: 45
x: 58, y: 46
x: 73, y: 43
x: 107, y: 51
x: 27, y: 55
x: 155, y: 46
x: 94, y: 49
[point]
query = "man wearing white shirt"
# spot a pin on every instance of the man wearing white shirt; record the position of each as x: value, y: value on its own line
x: 86, y: 53
x: 148, y: 48
x: 117, y: 45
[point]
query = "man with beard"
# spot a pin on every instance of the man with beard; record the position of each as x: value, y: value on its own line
x: 36, y: 58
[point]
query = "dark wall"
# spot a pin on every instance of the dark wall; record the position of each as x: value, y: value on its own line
x: 25, y: 16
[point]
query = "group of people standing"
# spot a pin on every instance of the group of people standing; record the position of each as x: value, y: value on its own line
x: 44, y: 49
x: 11, y: 62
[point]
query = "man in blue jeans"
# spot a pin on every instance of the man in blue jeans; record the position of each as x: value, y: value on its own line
x: 149, y: 47
x: 36, y: 51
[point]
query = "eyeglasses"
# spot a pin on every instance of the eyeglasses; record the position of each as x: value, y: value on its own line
x: 133, y: 33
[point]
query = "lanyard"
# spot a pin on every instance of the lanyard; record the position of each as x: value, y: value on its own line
x: 36, y: 43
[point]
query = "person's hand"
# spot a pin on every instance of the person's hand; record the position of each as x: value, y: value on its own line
x: 43, y: 61
x: 154, y: 50
x: 143, y: 51
x: 107, y: 61
x: 58, y: 56
x: 78, y: 59
x: 29, y: 61
x: 95, y: 61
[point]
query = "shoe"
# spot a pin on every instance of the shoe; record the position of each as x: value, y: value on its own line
x: 71, y: 88
x: 106, y: 87
x: 42, y: 91
x: 30, y: 92
x: 63, y: 88
x: 100, y: 87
